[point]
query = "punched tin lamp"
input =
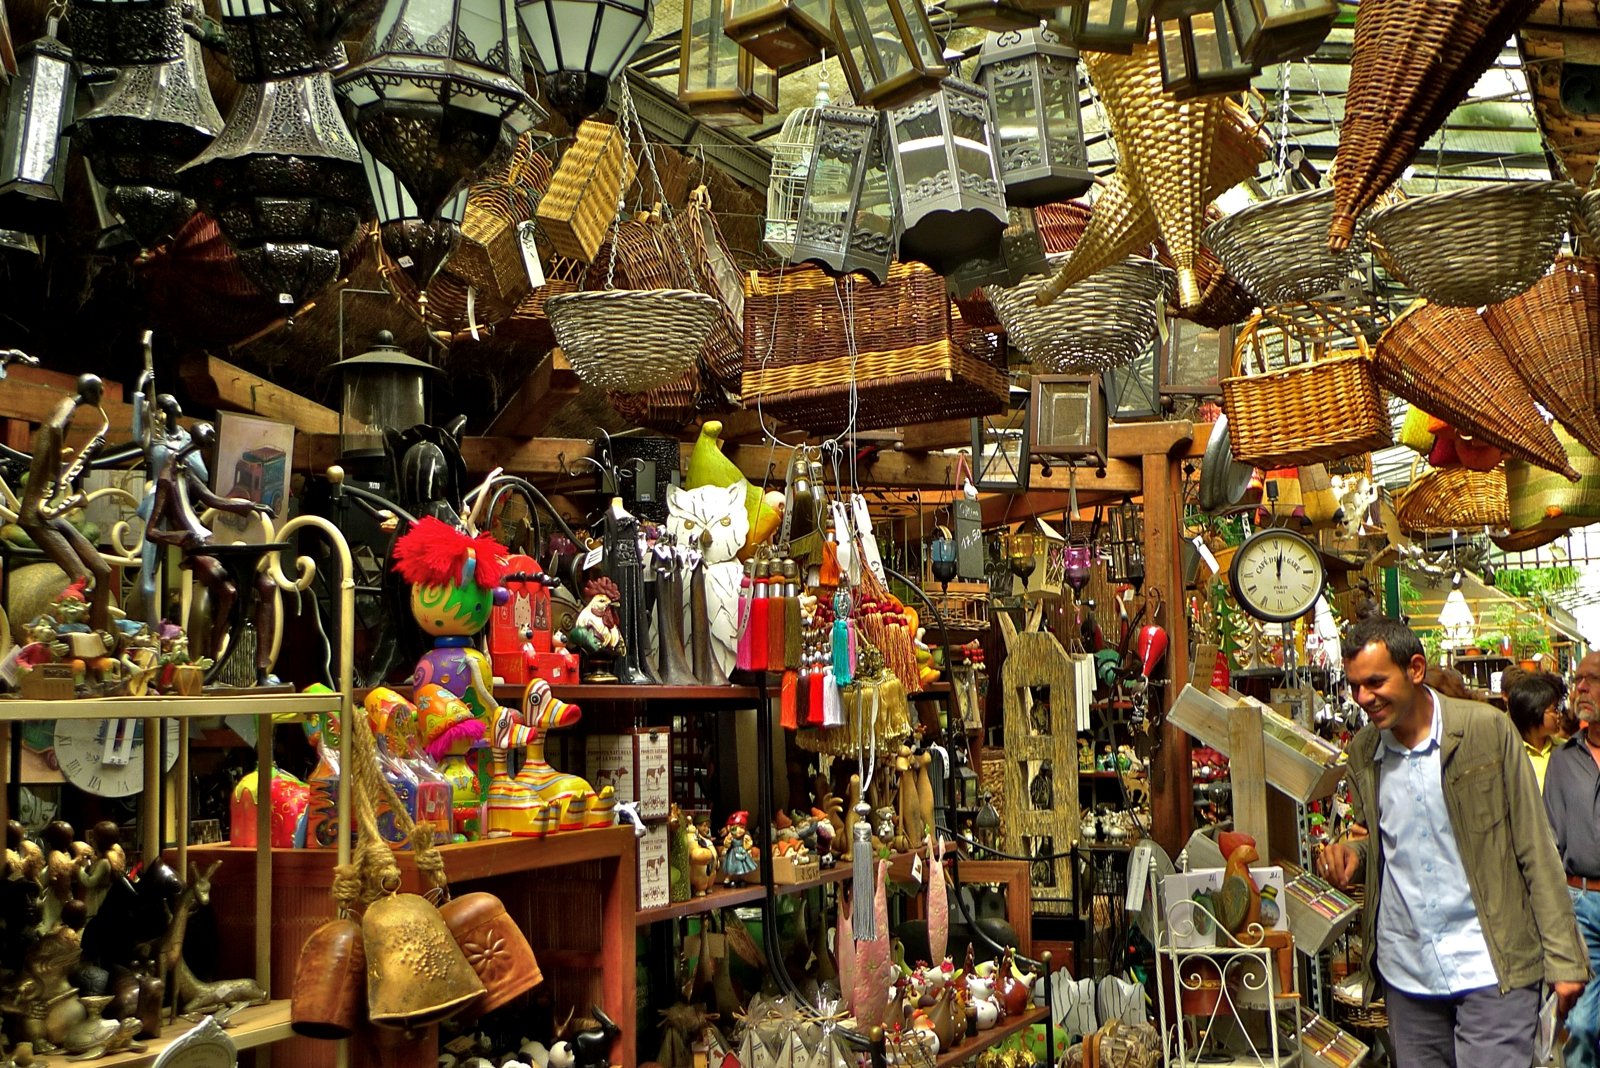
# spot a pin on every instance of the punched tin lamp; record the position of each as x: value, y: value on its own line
x: 1031, y: 77
x: 582, y: 45
x: 780, y: 33
x: 1068, y: 414
x: 33, y: 155
x: 846, y: 221
x: 417, y: 241
x: 1276, y: 31
x: 888, y: 50
x: 122, y: 33
x: 1200, y: 56
x: 383, y: 389
x: 717, y: 78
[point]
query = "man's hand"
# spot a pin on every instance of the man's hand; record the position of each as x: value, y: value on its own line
x: 1566, y: 996
x: 1338, y: 863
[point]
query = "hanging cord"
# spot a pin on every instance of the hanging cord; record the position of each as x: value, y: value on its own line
x: 631, y: 114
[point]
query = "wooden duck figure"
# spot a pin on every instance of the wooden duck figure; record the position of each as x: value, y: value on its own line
x: 1238, y: 900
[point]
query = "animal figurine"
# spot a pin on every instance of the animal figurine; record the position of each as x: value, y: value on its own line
x: 714, y: 521
x: 680, y: 840
x: 1238, y: 899
x: 702, y: 861
x: 551, y: 800
x: 591, y: 1046
x: 189, y: 993
x: 595, y: 633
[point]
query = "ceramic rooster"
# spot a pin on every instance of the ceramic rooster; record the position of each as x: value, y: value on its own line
x: 1238, y: 900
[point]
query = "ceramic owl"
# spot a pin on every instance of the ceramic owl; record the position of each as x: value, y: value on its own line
x: 713, y: 520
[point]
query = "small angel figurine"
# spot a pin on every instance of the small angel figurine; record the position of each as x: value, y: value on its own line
x: 739, y: 851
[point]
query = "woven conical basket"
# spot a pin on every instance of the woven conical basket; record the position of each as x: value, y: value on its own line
x: 1446, y: 362
x: 1543, y: 501
x: 1551, y: 335
x: 1453, y: 498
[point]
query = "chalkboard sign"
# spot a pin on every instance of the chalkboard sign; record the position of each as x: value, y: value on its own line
x: 969, y: 539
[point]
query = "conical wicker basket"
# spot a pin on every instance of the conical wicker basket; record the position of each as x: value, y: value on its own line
x: 1105, y: 321
x: 1453, y: 498
x: 1446, y: 362
x: 1551, y: 335
x: 1123, y: 222
x: 1276, y: 247
x: 1477, y: 246
x: 1541, y: 500
x: 632, y: 340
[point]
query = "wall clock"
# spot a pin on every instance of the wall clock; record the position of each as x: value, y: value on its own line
x: 106, y: 756
x: 1276, y: 575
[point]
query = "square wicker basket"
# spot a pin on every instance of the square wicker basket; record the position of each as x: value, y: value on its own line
x: 577, y: 212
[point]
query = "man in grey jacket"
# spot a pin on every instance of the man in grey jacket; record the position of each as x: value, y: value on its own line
x: 1468, y: 914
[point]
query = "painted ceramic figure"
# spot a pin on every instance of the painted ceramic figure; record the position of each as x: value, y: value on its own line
x: 540, y: 800
x: 738, y: 849
x: 713, y: 521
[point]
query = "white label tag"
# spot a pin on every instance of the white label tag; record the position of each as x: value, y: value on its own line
x: 1204, y: 550
x: 916, y: 868
x: 592, y: 557
x: 1138, y: 872
x: 406, y: 262
x: 530, y: 254
x: 285, y: 298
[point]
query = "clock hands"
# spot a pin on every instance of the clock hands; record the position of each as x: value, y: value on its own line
x: 1280, y: 565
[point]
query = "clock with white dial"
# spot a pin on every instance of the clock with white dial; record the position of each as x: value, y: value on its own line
x: 106, y: 756
x: 1276, y: 575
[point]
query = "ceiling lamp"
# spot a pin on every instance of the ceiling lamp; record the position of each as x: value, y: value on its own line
x: 1200, y: 56
x: 33, y: 157
x: 1032, y: 81
x: 718, y: 80
x: 582, y: 45
x: 888, y: 50
x: 780, y: 33
x: 1108, y: 25
x: 118, y: 33
x: 846, y: 221
x: 1273, y: 33
x: 416, y: 240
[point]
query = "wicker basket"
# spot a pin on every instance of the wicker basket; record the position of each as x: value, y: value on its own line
x: 1105, y: 321
x: 1542, y: 500
x: 715, y: 273
x: 1314, y: 406
x: 1589, y: 204
x: 1276, y: 247
x: 1471, y: 247
x: 577, y: 212
x: 1373, y: 1017
x: 1551, y: 335
x: 1223, y: 301
x: 914, y: 359
x: 490, y: 253
x: 1453, y: 498
x: 1446, y: 362
x: 632, y: 340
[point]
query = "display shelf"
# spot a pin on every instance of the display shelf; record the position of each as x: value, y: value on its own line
x: 171, y: 706
x: 616, y: 691
x: 728, y: 897
x: 249, y: 1028
x: 992, y: 1037
x: 931, y: 691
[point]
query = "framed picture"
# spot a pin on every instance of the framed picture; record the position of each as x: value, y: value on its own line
x: 1068, y: 414
x: 253, y: 460
x: 1195, y: 359
x: 1000, y: 447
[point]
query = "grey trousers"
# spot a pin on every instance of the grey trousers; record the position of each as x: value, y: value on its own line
x: 1478, y: 1029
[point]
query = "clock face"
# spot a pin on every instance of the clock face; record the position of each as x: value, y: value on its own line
x: 106, y: 756
x: 1276, y: 576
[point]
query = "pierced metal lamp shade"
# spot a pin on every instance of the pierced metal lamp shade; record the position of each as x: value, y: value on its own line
x: 846, y: 221
x: 1032, y: 81
x: 33, y: 154
x: 581, y: 45
x: 417, y: 241
x: 120, y: 33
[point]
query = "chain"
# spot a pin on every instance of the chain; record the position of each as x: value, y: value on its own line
x: 630, y: 113
x: 1283, y: 129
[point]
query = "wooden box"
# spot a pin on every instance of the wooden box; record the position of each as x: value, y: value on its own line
x: 637, y: 764
x: 785, y: 869
x: 654, y: 877
x: 1318, y: 911
x: 1299, y: 763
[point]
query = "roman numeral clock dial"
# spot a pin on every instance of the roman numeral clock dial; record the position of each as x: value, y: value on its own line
x: 1277, y: 575
x: 106, y: 756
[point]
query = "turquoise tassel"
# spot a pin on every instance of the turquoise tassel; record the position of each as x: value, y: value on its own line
x: 841, y: 652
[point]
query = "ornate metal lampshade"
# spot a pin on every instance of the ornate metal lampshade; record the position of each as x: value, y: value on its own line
x: 33, y: 156
x: 120, y: 33
x: 581, y: 45
x: 1031, y: 77
x: 1108, y: 25
x: 888, y: 50
x: 1125, y: 540
x: 846, y: 221
x: 717, y: 78
x: 952, y: 206
x: 1020, y: 254
x: 418, y: 242
x: 1069, y: 418
x: 1200, y: 56
x: 1276, y: 31
x: 265, y: 40
x: 780, y: 33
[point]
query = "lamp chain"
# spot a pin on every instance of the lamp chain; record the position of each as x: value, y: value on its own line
x: 631, y: 113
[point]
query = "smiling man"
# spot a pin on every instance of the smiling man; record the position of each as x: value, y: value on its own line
x: 1468, y: 914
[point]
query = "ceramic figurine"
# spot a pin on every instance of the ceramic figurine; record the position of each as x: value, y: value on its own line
x: 1269, y: 906
x: 108, y: 862
x: 541, y: 800
x: 680, y: 840
x: 591, y: 1046
x: 702, y: 861
x: 625, y: 566
x: 713, y: 521
x: 595, y: 634
x: 41, y: 989
x: 63, y: 861
x: 739, y: 851
x: 672, y: 659
x: 1238, y: 899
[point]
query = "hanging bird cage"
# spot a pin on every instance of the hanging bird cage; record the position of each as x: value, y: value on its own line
x: 791, y: 163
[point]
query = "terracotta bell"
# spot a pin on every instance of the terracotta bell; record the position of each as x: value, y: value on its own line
x: 416, y: 974
x: 495, y: 947
x: 327, y: 1000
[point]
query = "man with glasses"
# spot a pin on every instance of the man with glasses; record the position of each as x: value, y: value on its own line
x: 1572, y: 797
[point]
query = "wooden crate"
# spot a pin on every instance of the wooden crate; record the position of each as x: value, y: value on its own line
x: 1298, y: 762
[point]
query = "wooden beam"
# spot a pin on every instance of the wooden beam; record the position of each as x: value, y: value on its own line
x: 1171, y: 789
x: 66, y: 383
x: 1122, y: 479
x: 221, y: 385
x: 529, y: 410
x: 33, y: 402
x: 1131, y: 440
x: 945, y: 434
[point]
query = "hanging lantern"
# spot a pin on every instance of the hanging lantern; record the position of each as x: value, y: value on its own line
x: 264, y: 42
x: 1000, y: 447
x: 1020, y: 254
x: 791, y: 166
x: 417, y: 242
x: 718, y: 79
x: 996, y: 16
x: 846, y: 221
x: 1166, y: 10
x: 120, y: 33
x: 1200, y: 56
x: 1032, y: 81
x: 582, y: 45
x: 1125, y: 541
x: 1133, y: 391
x: 780, y: 33
x: 1108, y: 25
x: 888, y: 50
x: 33, y: 157
x: 1195, y: 359
x: 384, y: 389
x: 951, y: 204
x: 1068, y: 414
x: 1269, y: 32
x: 114, y: 237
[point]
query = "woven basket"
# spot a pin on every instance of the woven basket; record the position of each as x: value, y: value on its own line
x: 1323, y: 408
x: 1446, y: 362
x: 1124, y: 223
x: 1453, y: 498
x: 1276, y: 247
x: 581, y: 204
x: 1062, y: 225
x: 632, y: 340
x: 1105, y: 321
x: 715, y: 273
x: 670, y: 407
x: 528, y: 323
x: 490, y: 253
x: 1373, y: 1017
x: 1589, y: 204
x: 1551, y: 335
x: 1223, y: 301
x: 1471, y: 247
x: 1542, y: 500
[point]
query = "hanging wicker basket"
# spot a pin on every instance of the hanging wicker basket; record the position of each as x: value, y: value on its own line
x: 1542, y: 500
x: 1276, y: 247
x: 632, y: 340
x: 1105, y: 321
x: 1471, y: 247
x: 1589, y: 204
x: 1455, y: 498
x: 581, y: 204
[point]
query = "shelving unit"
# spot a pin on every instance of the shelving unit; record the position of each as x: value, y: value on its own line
x: 731, y: 896
x: 249, y: 1028
x: 992, y: 1037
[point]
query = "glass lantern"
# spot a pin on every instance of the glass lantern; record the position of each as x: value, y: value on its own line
x: 1133, y: 391
x: 1195, y: 359
x: 780, y: 33
x: 846, y: 221
x: 718, y: 79
x: 942, y: 557
x: 384, y: 389
x: 581, y: 45
x: 1275, y: 31
x: 1200, y: 57
x: 1069, y: 419
x: 1000, y: 447
x: 33, y: 156
x: 888, y: 50
x: 1108, y: 25
x: 952, y: 205
x: 1125, y: 540
x: 1031, y: 77
x: 997, y: 16
x: 1020, y: 254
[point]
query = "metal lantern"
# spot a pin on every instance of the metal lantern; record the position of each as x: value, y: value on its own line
x: 33, y: 157
x: 780, y: 33
x: 846, y: 221
x: 888, y: 50
x: 997, y: 16
x: 1125, y: 541
x: 417, y: 241
x: 1195, y: 359
x: 582, y: 45
x: 966, y: 785
x: 951, y: 203
x: 1133, y: 391
x: 792, y: 152
x: 1020, y: 254
x: 1108, y: 25
x: 1275, y: 31
x: 1000, y: 447
x: 718, y: 79
x: 1200, y: 56
x: 383, y: 389
x: 1032, y: 81
x: 264, y: 42
x: 120, y: 33
x: 1068, y: 417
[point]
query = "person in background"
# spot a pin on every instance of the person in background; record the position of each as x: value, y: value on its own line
x: 1572, y: 798
x: 1534, y: 700
x: 1467, y: 919
x: 1450, y: 682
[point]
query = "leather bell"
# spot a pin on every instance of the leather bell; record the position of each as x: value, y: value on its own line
x: 416, y: 974
x: 495, y: 947
x: 327, y: 1000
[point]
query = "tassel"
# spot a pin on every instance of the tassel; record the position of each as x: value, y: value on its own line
x: 828, y: 575
x: 865, y: 893
x: 789, y: 701
x: 854, y: 646
x: 794, y: 630
x: 843, y: 661
x: 759, y: 607
x: 815, y: 688
x: 777, y: 625
x: 742, y: 653
x: 832, y: 703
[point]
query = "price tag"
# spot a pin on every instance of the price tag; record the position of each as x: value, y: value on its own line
x: 1138, y: 873
x: 530, y: 254
x: 593, y: 556
x: 916, y: 868
x: 1204, y: 550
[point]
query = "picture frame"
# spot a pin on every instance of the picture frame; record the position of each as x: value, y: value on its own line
x: 254, y: 458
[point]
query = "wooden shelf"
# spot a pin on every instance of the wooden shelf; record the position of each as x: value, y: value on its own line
x: 170, y: 706
x: 249, y: 1028
x: 616, y: 691
x: 992, y: 1037
x: 728, y: 897
x: 933, y: 690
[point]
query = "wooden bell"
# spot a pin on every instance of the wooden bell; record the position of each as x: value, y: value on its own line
x: 328, y: 980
